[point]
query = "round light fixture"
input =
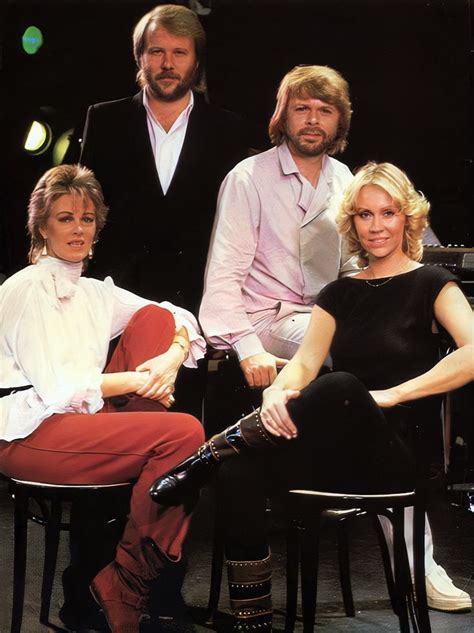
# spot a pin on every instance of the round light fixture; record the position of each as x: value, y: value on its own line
x: 38, y: 138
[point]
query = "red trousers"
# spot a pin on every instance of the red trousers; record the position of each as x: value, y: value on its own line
x: 111, y: 447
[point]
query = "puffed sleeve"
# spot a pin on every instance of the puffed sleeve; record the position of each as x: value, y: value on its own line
x: 41, y: 346
x: 125, y: 304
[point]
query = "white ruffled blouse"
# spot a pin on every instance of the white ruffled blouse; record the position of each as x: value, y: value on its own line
x: 55, y: 329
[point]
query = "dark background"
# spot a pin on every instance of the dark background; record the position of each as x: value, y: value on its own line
x: 407, y: 62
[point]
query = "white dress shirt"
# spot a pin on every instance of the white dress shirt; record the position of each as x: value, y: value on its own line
x: 55, y: 332
x: 167, y: 146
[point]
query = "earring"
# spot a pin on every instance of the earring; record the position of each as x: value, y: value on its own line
x: 91, y: 253
x: 44, y: 251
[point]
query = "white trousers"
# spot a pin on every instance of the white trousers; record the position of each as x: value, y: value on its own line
x: 282, y: 336
x: 388, y: 531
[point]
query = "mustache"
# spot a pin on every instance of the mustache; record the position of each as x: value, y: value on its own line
x: 167, y: 75
x: 312, y: 130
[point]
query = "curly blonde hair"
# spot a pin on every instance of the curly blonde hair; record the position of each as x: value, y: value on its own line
x: 397, y: 184
x: 316, y: 82
x: 56, y: 182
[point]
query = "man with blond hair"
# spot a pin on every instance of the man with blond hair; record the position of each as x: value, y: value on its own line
x: 275, y: 242
x: 160, y: 157
x: 274, y: 247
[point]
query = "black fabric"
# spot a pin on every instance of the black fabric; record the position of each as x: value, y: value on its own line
x: 345, y: 444
x: 155, y: 244
x: 384, y: 329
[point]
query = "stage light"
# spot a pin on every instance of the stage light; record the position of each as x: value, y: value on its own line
x: 61, y: 146
x: 32, y: 40
x: 38, y: 138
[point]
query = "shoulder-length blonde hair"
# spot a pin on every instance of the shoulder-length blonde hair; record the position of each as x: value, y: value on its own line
x: 57, y: 182
x: 397, y: 184
x: 316, y: 82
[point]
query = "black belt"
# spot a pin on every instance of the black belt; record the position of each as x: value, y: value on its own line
x: 8, y: 390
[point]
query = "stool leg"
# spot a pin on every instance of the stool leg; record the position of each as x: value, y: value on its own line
x: 216, y: 570
x: 344, y: 568
x: 421, y: 604
x: 400, y: 560
x: 292, y: 568
x: 309, y: 569
x: 19, y: 560
x: 51, y: 545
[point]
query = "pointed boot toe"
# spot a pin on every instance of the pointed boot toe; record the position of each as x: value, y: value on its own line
x: 185, y: 480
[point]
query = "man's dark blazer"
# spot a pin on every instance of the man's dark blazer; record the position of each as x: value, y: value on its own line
x: 154, y: 244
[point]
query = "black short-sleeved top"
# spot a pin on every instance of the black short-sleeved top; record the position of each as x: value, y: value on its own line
x: 384, y: 329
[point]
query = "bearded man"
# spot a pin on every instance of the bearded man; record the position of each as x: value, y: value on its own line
x: 160, y: 157
x: 275, y: 243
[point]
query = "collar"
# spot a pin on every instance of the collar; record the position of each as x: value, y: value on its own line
x: 183, y: 115
x: 65, y: 274
x: 288, y: 165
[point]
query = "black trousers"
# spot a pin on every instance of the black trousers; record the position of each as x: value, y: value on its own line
x: 345, y: 443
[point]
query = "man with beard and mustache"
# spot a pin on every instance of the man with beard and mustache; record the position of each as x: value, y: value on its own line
x: 160, y: 157
x: 275, y: 243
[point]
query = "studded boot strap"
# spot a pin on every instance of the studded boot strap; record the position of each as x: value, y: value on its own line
x: 250, y: 594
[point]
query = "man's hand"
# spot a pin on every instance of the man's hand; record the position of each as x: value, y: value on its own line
x: 260, y: 370
x: 274, y: 413
x: 385, y: 398
x: 162, y: 371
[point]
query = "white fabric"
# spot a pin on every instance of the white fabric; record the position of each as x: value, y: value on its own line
x: 388, y: 531
x: 167, y: 146
x: 55, y: 329
x: 282, y: 335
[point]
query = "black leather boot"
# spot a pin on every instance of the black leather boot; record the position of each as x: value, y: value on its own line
x: 190, y: 475
x: 250, y: 586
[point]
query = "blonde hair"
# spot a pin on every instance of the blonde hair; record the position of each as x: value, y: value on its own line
x: 397, y: 184
x: 316, y: 82
x: 179, y: 21
x: 57, y: 182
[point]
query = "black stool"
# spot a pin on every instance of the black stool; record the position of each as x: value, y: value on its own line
x: 50, y: 499
x: 338, y: 517
x: 306, y: 509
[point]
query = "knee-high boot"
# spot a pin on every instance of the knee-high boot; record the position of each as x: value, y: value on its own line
x: 191, y: 474
x: 250, y: 585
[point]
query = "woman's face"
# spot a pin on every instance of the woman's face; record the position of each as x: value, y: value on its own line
x: 70, y: 228
x: 379, y: 222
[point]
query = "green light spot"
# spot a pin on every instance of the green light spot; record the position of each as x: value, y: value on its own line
x: 61, y: 147
x: 32, y: 40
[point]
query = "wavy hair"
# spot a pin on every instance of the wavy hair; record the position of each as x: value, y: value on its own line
x: 397, y: 184
x: 316, y: 82
x: 177, y: 20
x: 56, y: 182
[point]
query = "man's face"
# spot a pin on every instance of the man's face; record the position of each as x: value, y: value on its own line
x: 169, y: 64
x: 311, y: 126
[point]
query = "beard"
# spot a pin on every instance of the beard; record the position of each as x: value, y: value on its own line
x: 185, y: 83
x: 317, y: 147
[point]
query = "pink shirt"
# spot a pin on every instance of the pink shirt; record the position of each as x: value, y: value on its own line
x: 274, y: 245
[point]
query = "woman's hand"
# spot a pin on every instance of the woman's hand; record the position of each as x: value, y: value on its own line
x: 274, y: 414
x: 385, y: 398
x: 161, y: 375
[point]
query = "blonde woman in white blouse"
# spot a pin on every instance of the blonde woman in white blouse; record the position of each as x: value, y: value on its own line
x: 58, y: 423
